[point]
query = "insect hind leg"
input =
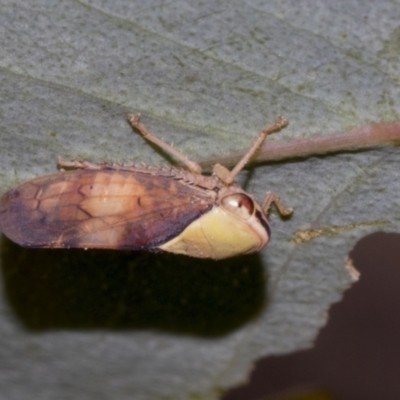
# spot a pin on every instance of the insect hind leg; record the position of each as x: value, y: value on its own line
x: 192, y: 166
x: 76, y: 164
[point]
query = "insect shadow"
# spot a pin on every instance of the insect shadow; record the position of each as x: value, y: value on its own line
x: 121, y: 290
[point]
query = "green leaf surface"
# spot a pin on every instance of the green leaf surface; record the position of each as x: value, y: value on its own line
x: 206, y: 76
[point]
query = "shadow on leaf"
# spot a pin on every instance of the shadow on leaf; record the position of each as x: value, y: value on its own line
x: 102, y: 289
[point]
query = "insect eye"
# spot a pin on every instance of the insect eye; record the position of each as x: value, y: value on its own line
x: 239, y: 204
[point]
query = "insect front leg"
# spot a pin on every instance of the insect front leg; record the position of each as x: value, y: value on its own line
x: 192, y: 166
x: 272, y: 198
x: 279, y: 124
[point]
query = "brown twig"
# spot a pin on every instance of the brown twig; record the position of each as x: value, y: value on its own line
x: 364, y: 137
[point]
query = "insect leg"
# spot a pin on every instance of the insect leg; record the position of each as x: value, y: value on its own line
x: 76, y: 164
x: 279, y: 124
x: 272, y: 198
x: 192, y: 166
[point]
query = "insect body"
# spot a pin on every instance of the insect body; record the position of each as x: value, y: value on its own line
x: 141, y: 208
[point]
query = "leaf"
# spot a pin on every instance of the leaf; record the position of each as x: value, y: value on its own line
x: 207, y: 77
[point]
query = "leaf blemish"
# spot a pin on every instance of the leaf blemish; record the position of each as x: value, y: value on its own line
x: 306, y: 235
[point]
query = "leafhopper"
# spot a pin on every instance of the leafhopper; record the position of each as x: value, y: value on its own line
x: 110, y: 206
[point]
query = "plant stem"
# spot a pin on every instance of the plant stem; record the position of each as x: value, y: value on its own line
x: 364, y: 137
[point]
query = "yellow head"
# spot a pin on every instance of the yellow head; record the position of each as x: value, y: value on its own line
x: 236, y: 225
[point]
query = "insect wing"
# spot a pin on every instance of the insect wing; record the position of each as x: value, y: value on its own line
x: 108, y: 208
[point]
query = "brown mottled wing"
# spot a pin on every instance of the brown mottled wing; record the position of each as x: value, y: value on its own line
x: 107, y: 208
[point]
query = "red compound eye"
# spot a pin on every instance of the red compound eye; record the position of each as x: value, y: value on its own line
x: 239, y: 204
